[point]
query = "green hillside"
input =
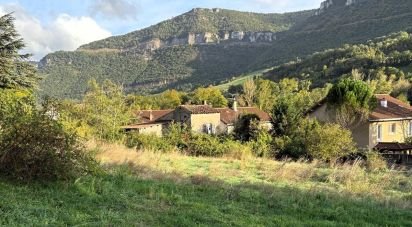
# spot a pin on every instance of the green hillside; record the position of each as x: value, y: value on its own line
x: 166, y: 56
x: 390, y: 56
x: 204, y: 20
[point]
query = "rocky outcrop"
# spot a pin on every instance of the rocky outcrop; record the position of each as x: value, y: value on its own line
x: 206, y: 38
x: 325, y: 5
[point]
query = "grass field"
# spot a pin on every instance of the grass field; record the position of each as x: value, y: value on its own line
x: 241, y: 79
x: 153, y: 189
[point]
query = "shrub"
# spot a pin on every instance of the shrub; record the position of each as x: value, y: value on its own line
x: 148, y: 142
x: 38, y: 148
x: 206, y: 145
x: 262, y: 143
x: 237, y: 150
x: 329, y: 142
x: 375, y: 162
x: 178, y: 135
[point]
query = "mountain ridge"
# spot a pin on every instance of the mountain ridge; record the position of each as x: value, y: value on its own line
x: 185, y: 51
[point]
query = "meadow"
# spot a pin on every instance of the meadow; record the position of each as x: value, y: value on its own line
x: 171, y: 189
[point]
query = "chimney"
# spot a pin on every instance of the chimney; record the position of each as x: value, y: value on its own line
x: 150, y: 115
x: 234, y: 107
x: 384, y: 103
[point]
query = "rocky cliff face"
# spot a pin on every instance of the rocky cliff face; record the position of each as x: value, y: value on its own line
x: 336, y: 3
x: 206, y: 38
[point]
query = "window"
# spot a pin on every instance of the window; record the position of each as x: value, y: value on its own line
x: 410, y: 129
x: 379, y: 129
x: 392, y: 129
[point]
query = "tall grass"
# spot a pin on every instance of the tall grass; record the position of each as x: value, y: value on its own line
x: 354, y: 180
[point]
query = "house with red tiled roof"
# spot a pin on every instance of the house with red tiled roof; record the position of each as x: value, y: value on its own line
x: 200, y: 118
x: 388, y: 125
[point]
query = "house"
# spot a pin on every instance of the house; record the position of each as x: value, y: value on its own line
x: 200, y: 118
x: 385, y: 129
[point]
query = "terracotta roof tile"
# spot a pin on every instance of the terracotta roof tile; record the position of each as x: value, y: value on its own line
x: 157, y: 115
x: 395, y: 109
x: 229, y: 116
x: 199, y: 109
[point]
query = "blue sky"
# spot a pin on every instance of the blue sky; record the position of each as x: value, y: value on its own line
x: 51, y: 25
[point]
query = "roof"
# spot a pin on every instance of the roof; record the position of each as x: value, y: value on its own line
x: 394, y: 146
x: 157, y: 115
x: 199, y: 109
x: 396, y: 109
x: 229, y: 116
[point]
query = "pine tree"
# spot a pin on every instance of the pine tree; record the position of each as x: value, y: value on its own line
x: 15, y: 70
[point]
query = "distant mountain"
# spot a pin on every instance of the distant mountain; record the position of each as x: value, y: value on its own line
x: 209, y: 46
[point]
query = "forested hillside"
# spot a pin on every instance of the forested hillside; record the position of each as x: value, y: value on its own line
x: 205, y: 46
x: 385, y: 58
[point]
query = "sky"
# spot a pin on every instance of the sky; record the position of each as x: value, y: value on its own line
x: 53, y: 25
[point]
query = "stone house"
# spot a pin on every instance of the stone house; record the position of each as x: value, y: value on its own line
x: 200, y: 118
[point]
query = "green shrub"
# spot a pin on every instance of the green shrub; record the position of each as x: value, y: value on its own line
x: 329, y: 142
x: 148, y: 142
x: 206, y: 145
x: 38, y: 148
x: 237, y: 150
x: 375, y: 162
x: 262, y: 143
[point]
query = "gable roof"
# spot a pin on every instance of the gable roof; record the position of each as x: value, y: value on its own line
x: 199, y: 109
x: 157, y: 115
x: 396, y: 109
x: 229, y: 116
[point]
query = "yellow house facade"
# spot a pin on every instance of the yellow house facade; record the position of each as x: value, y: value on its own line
x: 389, y: 122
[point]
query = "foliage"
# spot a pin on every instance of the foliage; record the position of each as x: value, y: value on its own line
x: 246, y: 127
x: 329, y: 142
x: 261, y: 143
x: 33, y: 146
x: 211, y: 95
x: 148, y: 142
x: 351, y: 101
x: 205, y: 145
x: 15, y: 71
x: 375, y: 162
x: 106, y: 110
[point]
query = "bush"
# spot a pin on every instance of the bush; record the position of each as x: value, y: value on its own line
x: 329, y: 142
x: 237, y: 150
x: 262, y: 144
x: 206, y: 145
x: 375, y: 162
x: 38, y: 148
x: 148, y: 142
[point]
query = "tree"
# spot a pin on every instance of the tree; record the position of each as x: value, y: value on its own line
x: 350, y: 101
x: 285, y: 117
x: 106, y: 109
x: 170, y: 99
x: 246, y: 127
x: 211, y: 95
x: 15, y: 71
x: 249, y: 92
x: 330, y: 142
x: 265, y: 94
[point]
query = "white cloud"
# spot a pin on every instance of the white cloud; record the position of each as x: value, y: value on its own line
x: 117, y: 9
x: 63, y: 33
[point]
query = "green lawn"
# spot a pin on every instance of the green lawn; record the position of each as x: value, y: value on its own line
x: 176, y: 190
